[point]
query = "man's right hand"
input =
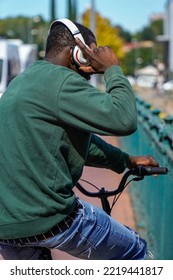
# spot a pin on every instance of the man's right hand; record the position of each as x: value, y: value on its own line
x: 142, y: 160
x: 100, y: 58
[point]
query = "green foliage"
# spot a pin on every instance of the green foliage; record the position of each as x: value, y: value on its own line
x: 151, y: 31
x: 141, y: 57
x: 29, y: 30
x: 128, y: 63
x: 157, y: 27
x: 126, y: 35
x: 148, y: 55
x: 14, y: 27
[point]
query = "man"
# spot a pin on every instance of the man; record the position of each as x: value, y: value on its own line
x: 49, y: 118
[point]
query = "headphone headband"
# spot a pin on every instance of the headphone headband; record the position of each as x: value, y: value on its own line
x: 71, y: 26
x: 77, y: 54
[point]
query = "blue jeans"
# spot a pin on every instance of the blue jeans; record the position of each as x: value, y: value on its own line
x: 93, y: 235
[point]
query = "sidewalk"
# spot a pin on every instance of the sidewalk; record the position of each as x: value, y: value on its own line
x: 161, y: 101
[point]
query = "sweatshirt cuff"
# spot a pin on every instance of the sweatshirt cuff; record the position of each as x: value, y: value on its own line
x: 126, y: 159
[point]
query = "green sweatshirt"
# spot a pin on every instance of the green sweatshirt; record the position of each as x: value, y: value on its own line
x: 49, y: 118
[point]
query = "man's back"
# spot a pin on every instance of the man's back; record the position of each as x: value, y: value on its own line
x: 34, y: 152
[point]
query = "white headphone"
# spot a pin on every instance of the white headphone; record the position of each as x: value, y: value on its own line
x: 77, y: 54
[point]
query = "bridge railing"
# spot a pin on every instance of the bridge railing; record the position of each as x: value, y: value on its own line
x: 153, y: 198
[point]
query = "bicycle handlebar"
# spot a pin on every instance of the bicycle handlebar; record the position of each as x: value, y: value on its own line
x: 140, y: 171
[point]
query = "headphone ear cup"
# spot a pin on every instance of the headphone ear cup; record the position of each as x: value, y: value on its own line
x: 78, y: 57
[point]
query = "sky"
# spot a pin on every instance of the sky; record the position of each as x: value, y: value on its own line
x: 132, y: 15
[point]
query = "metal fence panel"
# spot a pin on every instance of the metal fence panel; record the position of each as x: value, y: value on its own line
x: 153, y: 197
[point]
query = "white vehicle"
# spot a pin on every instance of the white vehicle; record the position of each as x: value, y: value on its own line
x: 28, y: 54
x: 9, y: 63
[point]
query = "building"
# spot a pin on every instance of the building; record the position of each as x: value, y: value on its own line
x: 167, y: 37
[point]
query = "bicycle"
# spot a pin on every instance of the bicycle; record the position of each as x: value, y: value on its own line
x: 140, y: 172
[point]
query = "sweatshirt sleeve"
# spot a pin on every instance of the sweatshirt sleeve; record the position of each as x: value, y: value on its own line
x: 112, y: 112
x: 104, y: 155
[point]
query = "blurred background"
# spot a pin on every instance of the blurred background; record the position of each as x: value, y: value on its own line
x: 140, y: 33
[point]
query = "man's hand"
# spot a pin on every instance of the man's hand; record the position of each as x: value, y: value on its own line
x: 142, y: 160
x: 100, y: 58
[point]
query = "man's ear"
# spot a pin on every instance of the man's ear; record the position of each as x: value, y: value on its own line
x: 67, y: 55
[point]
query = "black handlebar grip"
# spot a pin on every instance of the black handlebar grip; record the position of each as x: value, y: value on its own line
x: 142, y: 170
x: 151, y: 170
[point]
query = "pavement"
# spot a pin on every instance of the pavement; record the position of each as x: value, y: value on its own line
x: 160, y: 100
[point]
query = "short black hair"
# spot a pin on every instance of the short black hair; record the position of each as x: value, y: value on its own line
x: 61, y: 37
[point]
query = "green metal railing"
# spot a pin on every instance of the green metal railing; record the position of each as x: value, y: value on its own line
x: 152, y: 198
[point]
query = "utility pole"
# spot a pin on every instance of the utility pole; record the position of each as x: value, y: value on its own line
x: 94, y: 78
x: 52, y: 10
x: 92, y: 17
x: 74, y: 9
x: 71, y: 9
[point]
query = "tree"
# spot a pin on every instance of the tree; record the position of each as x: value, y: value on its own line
x: 150, y: 31
x: 126, y: 35
x: 105, y: 33
x: 128, y: 63
x: 146, y: 55
x: 146, y: 34
x: 157, y: 27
